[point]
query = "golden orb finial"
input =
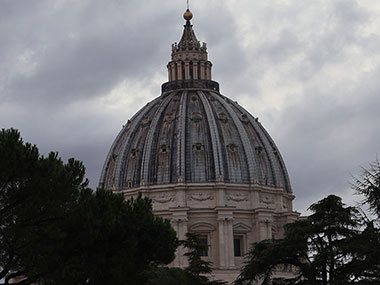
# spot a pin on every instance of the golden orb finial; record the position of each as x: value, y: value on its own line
x: 188, y: 15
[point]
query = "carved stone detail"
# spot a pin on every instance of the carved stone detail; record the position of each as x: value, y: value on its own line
x: 285, y: 204
x: 163, y: 198
x: 236, y: 196
x: 145, y: 122
x: 267, y: 199
x: 196, y: 117
x: 200, y: 197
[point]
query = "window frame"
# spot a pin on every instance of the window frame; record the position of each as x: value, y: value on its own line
x: 241, y: 239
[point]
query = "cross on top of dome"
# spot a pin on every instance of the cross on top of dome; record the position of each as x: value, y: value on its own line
x: 188, y: 15
x: 189, y: 41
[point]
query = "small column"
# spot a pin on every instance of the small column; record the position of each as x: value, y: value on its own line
x: 169, y: 73
x: 179, y: 70
x: 180, y: 223
x: 265, y: 229
x: 208, y: 70
x: 187, y: 70
x: 172, y: 67
x: 202, y: 70
x: 230, y: 249
x: 182, y: 227
x: 222, y: 244
x: 226, y: 238
x: 195, y: 70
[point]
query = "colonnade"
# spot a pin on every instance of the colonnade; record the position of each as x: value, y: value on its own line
x: 188, y: 69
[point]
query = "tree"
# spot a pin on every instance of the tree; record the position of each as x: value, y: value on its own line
x: 167, y: 276
x: 36, y: 193
x: 198, y: 269
x: 368, y: 185
x: 319, y: 249
x: 197, y: 273
x: 55, y: 230
x: 367, y: 249
x: 121, y: 239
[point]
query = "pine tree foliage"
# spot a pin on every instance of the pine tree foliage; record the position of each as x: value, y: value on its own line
x: 368, y: 185
x: 334, y: 245
x: 198, y: 272
x: 55, y: 230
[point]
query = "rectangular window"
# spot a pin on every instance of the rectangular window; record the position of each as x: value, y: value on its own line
x: 204, y: 242
x: 238, y: 245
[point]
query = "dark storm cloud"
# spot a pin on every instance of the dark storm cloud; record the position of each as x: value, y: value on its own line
x: 325, y: 138
x: 330, y: 124
x: 78, y: 51
x: 72, y: 72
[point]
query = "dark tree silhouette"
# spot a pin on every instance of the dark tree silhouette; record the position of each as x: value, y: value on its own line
x: 328, y: 247
x: 55, y: 230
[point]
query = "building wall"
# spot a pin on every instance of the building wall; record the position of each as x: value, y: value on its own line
x: 221, y: 212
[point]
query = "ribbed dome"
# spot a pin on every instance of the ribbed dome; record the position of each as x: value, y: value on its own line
x: 192, y: 134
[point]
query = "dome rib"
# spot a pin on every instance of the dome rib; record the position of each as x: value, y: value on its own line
x: 108, y: 178
x: 137, y: 130
x: 261, y: 132
x: 243, y: 136
x: 151, y: 138
x: 215, y: 138
x: 182, y: 137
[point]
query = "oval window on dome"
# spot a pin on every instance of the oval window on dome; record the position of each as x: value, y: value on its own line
x: 223, y: 117
x: 196, y: 117
x: 244, y: 118
x: 134, y: 152
x: 198, y: 147
x: 232, y: 147
x: 164, y: 148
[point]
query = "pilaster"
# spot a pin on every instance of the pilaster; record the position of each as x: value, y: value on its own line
x: 187, y: 70
x: 179, y: 70
x: 195, y: 70
x: 208, y: 70
x: 202, y: 70
x: 172, y: 69
x: 180, y: 224
x: 226, y: 238
x: 265, y: 226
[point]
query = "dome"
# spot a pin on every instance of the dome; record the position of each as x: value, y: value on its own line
x: 192, y: 133
x: 207, y: 164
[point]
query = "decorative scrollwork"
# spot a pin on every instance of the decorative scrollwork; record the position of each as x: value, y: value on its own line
x: 237, y: 197
x: 267, y: 199
x: 200, y: 196
x: 163, y: 198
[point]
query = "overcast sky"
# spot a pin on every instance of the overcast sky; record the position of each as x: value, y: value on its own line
x: 73, y: 72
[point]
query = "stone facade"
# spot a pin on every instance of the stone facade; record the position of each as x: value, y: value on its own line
x: 225, y: 214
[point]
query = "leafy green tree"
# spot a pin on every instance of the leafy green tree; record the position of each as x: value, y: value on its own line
x: 55, y: 230
x: 319, y: 249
